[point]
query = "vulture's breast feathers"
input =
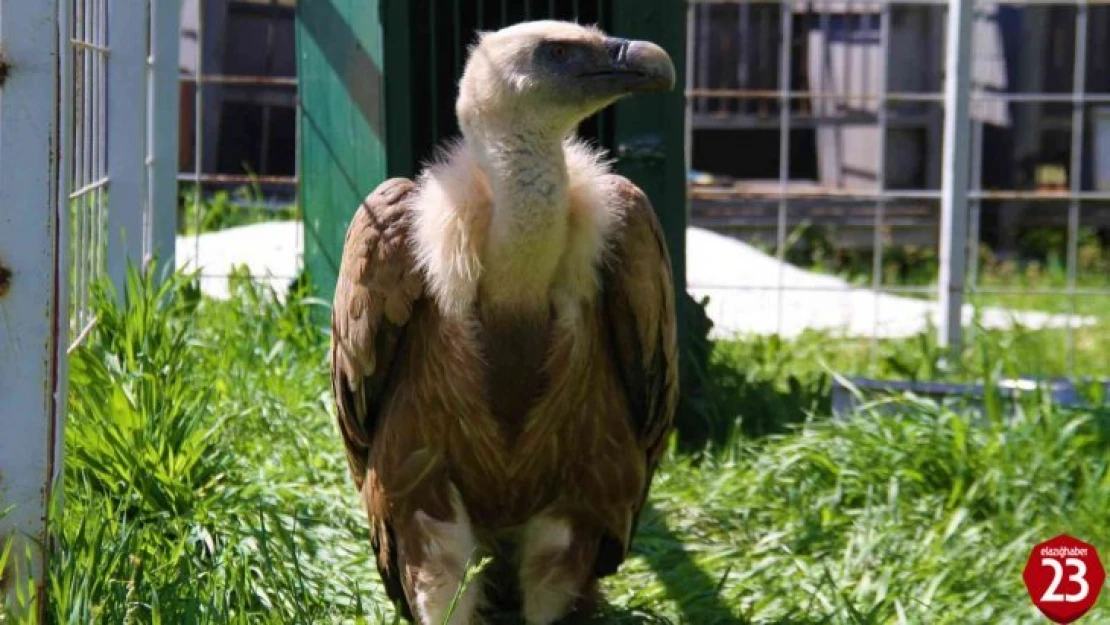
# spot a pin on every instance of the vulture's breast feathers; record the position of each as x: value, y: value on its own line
x: 452, y: 211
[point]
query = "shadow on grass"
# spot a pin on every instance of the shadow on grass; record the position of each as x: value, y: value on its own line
x: 697, y: 595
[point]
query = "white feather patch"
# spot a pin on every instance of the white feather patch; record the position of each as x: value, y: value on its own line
x: 452, y: 210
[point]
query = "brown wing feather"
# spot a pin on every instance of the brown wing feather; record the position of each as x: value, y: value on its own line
x: 640, y: 310
x: 377, y: 287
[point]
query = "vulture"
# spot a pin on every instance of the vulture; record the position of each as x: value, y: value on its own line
x: 503, y: 340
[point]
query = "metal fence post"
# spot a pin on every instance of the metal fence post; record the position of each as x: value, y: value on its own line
x: 954, y: 182
x: 165, y: 105
x: 126, y: 104
x: 33, y: 275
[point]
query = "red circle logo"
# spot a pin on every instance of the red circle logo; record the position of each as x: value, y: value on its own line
x: 1063, y: 577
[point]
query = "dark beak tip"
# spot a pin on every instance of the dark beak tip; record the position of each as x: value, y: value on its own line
x: 654, y: 62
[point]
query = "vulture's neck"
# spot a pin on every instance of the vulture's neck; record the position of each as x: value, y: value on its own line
x: 528, y: 179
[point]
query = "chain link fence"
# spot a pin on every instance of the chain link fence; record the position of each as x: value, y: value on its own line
x: 817, y: 135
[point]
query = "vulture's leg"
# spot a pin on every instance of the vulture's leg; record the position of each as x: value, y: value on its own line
x: 435, y: 554
x: 555, y: 569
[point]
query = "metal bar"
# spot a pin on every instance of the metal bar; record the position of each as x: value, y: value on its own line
x: 903, y: 96
x: 198, y: 134
x: 772, y: 94
x: 65, y: 258
x: 954, y: 191
x: 80, y: 58
x: 1041, y: 97
x: 92, y: 186
x: 1075, y: 173
x: 126, y: 127
x: 975, y: 206
x: 711, y: 121
x: 691, y: 34
x: 1079, y: 291
x: 704, y: 45
x: 236, y: 179
x: 67, y: 154
x: 244, y: 80
x: 88, y: 94
x: 163, y: 134
x: 1041, y: 196
x: 297, y: 134
x: 909, y: 290
x: 916, y: 290
x: 81, y: 44
x: 85, y: 207
x: 746, y: 191
x: 102, y: 242
x: 880, y: 176
x: 33, y: 281
x: 872, y: 5
x: 786, y: 60
x: 81, y: 336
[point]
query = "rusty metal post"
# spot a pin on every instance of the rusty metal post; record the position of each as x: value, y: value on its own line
x: 33, y: 275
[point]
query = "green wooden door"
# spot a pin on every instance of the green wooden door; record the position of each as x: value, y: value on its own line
x: 342, y: 122
x: 378, y: 89
x: 648, y: 137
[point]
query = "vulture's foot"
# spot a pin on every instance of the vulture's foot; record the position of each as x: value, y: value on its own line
x: 436, y: 567
x: 556, y: 571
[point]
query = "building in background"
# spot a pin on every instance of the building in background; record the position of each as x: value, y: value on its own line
x: 833, y: 124
x: 241, y: 55
x: 245, y: 53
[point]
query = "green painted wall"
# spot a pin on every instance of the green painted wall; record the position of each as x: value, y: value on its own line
x: 649, y: 133
x: 343, y: 156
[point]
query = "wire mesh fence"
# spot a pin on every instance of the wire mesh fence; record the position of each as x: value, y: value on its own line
x: 816, y: 145
x: 88, y: 176
x: 113, y: 144
x: 817, y: 140
x: 239, y: 163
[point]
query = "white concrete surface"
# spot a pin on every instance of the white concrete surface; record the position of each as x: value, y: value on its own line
x: 271, y: 251
x: 740, y: 281
x: 742, y: 284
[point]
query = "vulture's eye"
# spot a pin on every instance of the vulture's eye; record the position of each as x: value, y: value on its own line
x: 558, y: 52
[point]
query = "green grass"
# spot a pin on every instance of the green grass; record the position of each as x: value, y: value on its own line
x: 205, y: 483
x: 229, y: 209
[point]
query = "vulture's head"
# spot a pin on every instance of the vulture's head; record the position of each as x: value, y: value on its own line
x: 549, y: 76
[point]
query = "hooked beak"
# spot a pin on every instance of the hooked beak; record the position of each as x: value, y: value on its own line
x: 633, y: 67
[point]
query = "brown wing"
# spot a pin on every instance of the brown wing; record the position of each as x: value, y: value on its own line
x: 640, y: 310
x: 377, y: 287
